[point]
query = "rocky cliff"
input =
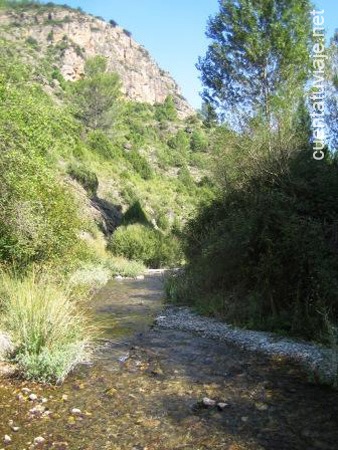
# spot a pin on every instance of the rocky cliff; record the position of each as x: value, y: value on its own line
x: 75, y: 36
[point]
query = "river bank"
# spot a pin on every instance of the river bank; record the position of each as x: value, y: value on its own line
x: 319, y: 362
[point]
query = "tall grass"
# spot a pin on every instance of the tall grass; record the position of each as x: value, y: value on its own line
x: 49, y: 333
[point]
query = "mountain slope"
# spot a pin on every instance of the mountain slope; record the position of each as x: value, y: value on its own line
x: 149, y: 165
x: 73, y: 37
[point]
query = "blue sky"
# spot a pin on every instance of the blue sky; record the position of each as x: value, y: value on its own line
x: 174, y: 31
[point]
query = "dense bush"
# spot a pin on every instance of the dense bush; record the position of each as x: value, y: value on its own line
x: 198, y: 141
x: 38, y: 217
x: 145, y: 244
x: 85, y: 177
x: 167, y: 110
x: 100, y: 144
x: 180, y: 141
x: 140, y: 164
x: 265, y: 254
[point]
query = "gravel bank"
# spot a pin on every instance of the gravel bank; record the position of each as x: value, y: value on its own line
x: 319, y: 361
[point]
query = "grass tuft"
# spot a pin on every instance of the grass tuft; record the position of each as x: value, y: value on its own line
x: 49, y: 333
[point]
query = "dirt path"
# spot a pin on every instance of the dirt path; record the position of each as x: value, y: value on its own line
x: 145, y: 388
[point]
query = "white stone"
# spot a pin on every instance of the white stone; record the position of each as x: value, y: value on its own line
x: 208, y: 402
x: 7, y: 439
x: 39, y: 440
x: 26, y: 391
x: 222, y: 405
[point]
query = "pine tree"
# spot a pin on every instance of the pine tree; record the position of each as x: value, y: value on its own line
x: 97, y: 94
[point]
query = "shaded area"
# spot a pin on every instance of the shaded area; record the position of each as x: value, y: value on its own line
x: 110, y: 214
x: 143, y: 389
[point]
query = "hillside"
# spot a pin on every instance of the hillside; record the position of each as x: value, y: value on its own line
x: 148, y: 155
x: 70, y: 37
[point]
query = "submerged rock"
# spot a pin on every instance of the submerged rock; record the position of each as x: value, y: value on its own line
x: 222, y: 405
x: 208, y: 402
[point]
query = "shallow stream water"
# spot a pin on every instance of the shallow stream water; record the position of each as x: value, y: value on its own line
x: 145, y: 386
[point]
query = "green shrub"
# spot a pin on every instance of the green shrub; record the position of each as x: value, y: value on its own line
x: 263, y: 254
x: 185, y: 178
x: 32, y: 42
x: 162, y: 220
x: 135, y: 242
x: 180, y: 141
x: 85, y: 177
x: 100, y: 144
x: 129, y: 195
x: 48, y: 331
x: 167, y: 110
x: 171, y: 158
x: 38, y: 218
x: 198, y: 141
x: 140, y: 164
x: 145, y: 244
x: 57, y: 75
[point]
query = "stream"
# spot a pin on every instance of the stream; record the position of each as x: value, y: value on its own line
x: 145, y: 386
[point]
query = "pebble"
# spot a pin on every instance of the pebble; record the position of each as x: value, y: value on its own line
x: 7, y: 439
x: 33, y: 397
x: 222, y: 405
x: 64, y: 397
x: 124, y: 358
x: 11, y: 424
x: 44, y: 400
x: 75, y: 411
x: 37, y: 410
x: 39, y: 440
x: 208, y: 402
x: 26, y: 391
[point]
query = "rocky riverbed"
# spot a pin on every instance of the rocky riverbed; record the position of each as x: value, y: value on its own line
x: 320, y: 363
x: 150, y: 387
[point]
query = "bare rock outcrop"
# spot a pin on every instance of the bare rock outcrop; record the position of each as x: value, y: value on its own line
x: 78, y: 36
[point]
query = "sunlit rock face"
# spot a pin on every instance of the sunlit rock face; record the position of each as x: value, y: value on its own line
x: 78, y: 36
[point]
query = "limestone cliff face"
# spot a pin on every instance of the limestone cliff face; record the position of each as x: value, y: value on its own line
x: 79, y: 36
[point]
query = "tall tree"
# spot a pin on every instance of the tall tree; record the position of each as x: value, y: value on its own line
x: 96, y: 96
x: 256, y: 46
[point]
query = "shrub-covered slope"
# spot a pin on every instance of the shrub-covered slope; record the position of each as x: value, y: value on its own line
x: 77, y: 155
